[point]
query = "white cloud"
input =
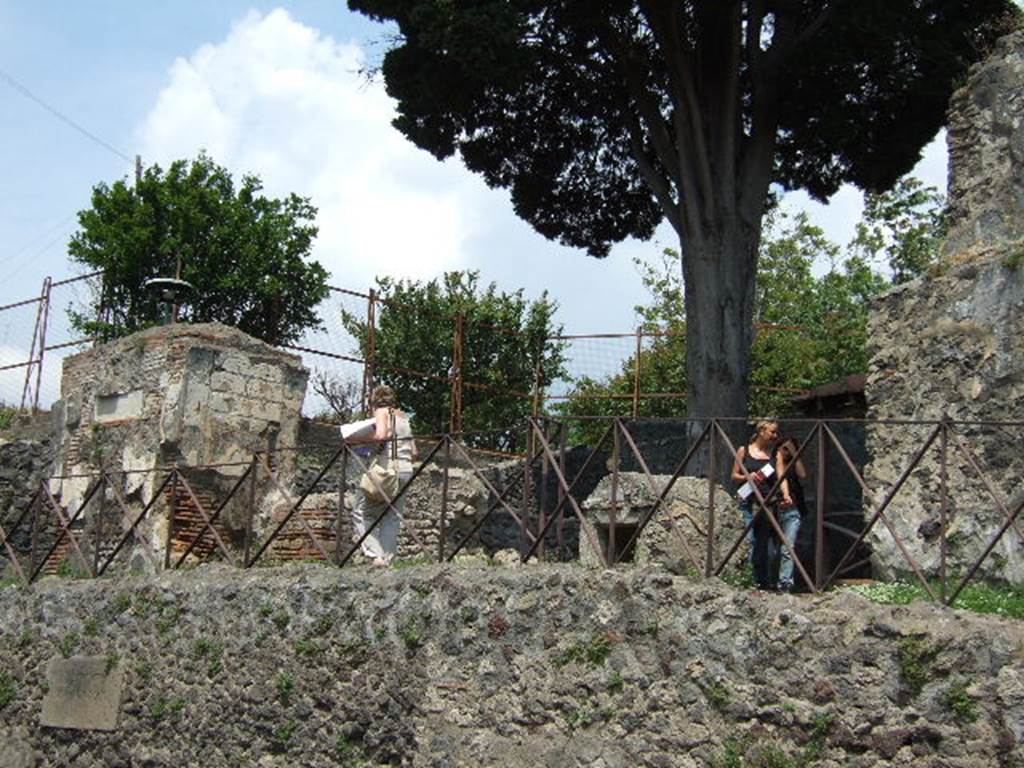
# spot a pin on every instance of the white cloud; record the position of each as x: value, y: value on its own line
x: 279, y: 99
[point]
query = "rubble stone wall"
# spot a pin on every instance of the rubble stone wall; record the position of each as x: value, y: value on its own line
x: 952, y: 343
x: 541, y: 665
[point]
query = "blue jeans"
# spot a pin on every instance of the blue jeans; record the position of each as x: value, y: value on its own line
x: 789, y: 521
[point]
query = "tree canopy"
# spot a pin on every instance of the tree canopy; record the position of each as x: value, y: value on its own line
x: 811, y: 310
x: 503, y: 338
x: 245, y: 254
x: 605, y: 117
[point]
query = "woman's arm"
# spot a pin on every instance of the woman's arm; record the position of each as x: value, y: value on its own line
x: 780, y: 467
x: 382, y: 424
x: 737, y: 465
x: 801, y: 472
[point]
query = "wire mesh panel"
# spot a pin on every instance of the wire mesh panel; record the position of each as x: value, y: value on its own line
x: 335, y: 358
x: 18, y: 322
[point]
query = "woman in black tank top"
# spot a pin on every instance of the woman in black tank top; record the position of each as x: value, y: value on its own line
x: 755, y: 461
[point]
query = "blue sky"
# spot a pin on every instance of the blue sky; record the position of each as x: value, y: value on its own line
x: 277, y: 91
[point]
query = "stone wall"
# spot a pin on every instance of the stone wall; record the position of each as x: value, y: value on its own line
x: 194, y: 395
x: 986, y: 152
x: 457, y: 666
x: 952, y: 343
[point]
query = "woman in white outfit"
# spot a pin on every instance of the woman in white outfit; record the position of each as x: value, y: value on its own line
x: 391, y: 424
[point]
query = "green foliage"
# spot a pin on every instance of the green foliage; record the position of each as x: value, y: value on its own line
x: 605, y: 118
x: 307, y: 646
x: 206, y: 648
x: 1003, y: 600
x: 7, y: 416
x: 593, y: 652
x: 91, y: 626
x: 717, y: 695
x: 281, y: 620
x: 349, y: 755
x: 812, y: 326
x: 244, y: 253
x: 145, y: 671
x: 110, y: 663
x: 285, y: 686
x: 8, y: 689
x: 902, y: 227
x: 163, y: 706
x: 506, y: 349
x: 915, y: 657
x: 121, y: 603
x: 284, y: 735
x: 615, y: 682
x: 581, y: 717
x: 958, y: 701
x: 69, y: 569
x: 68, y: 644
x: 322, y: 626
x: 413, y: 630
x: 1014, y: 260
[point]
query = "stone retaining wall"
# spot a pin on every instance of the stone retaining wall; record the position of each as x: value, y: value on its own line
x: 467, y: 665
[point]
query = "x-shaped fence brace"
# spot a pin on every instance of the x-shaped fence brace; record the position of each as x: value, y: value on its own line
x: 552, y: 462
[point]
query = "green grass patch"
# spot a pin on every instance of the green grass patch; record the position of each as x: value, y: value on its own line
x: 68, y: 644
x: 717, y: 695
x: 915, y: 658
x: 285, y: 687
x: 593, y: 652
x: 1002, y: 600
x: 956, y: 699
x: 8, y: 688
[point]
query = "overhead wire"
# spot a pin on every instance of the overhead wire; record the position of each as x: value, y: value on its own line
x: 23, y: 90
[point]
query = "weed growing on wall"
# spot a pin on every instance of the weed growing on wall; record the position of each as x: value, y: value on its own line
x: 592, y: 652
x: 8, y: 689
x: 285, y: 687
x: 915, y: 658
x: 68, y: 644
x: 958, y: 701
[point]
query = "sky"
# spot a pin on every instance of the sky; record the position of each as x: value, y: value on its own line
x: 278, y: 90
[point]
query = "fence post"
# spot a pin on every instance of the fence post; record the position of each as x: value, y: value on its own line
x: 709, y: 556
x: 613, y: 511
x: 525, y: 511
x: 636, y: 373
x: 443, y: 528
x: 563, y: 436
x: 36, y: 334
x: 944, y: 508
x: 819, y: 532
x: 48, y: 287
x: 97, y: 538
x: 171, y: 515
x: 455, y: 418
x: 371, y: 348
x: 250, y: 511
x: 545, y: 469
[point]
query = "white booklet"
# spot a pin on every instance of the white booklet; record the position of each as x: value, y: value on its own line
x: 358, y: 430
x: 747, y: 488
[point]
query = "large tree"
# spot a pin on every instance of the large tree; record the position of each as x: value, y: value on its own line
x: 603, y: 117
x: 245, y: 254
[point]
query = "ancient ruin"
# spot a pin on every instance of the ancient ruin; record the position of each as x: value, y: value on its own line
x: 952, y: 344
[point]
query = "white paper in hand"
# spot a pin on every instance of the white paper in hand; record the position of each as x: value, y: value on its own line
x: 358, y: 430
x: 747, y: 488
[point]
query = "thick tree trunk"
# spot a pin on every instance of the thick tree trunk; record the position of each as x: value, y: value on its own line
x: 718, y: 275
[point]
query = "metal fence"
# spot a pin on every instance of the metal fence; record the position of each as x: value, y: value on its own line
x: 36, y: 333
x: 538, y: 496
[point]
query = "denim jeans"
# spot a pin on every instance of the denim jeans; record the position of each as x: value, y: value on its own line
x: 789, y: 521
